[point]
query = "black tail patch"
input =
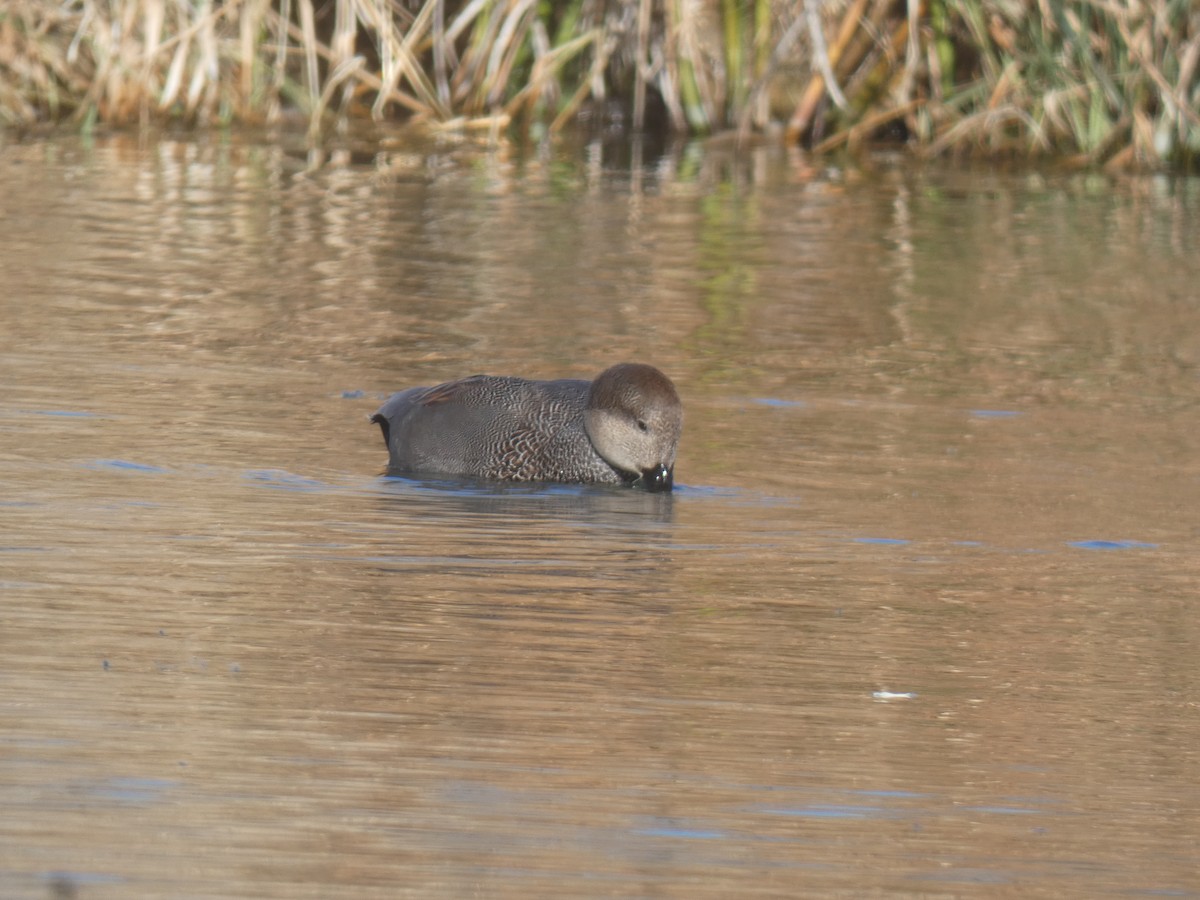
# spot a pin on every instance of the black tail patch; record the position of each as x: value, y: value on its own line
x: 386, y: 426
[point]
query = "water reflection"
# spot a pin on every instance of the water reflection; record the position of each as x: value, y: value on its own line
x: 917, y: 619
x: 532, y: 506
x: 531, y: 540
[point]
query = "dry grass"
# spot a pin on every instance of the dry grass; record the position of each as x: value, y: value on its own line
x: 1112, y: 82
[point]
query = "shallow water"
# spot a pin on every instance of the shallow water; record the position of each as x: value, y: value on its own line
x: 921, y: 619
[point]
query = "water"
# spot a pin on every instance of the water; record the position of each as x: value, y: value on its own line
x: 919, y: 621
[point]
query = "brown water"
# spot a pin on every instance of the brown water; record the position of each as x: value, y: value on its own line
x: 922, y: 619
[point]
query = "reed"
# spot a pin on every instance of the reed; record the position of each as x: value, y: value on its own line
x: 1097, y: 82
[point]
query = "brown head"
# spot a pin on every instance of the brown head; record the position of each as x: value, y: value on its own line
x: 633, y: 419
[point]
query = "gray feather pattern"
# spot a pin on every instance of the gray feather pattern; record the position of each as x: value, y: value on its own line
x: 495, y: 427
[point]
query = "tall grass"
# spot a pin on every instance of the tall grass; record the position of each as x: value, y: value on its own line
x: 1113, y: 82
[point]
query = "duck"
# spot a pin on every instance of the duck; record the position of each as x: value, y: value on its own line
x: 623, y: 427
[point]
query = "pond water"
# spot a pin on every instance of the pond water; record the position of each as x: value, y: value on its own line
x: 922, y: 617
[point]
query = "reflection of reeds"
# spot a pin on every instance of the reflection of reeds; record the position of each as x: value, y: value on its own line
x: 1103, y: 81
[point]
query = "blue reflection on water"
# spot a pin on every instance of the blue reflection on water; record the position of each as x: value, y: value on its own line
x: 283, y: 480
x: 1111, y: 545
x: 125, y: 465
x: 779, y: 404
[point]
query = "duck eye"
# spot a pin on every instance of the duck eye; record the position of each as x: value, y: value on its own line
x: 642, y: 426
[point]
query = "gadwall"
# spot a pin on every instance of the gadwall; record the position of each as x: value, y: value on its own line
x: 621, y: 428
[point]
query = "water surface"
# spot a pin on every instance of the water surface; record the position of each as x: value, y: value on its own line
x: 919, y: 621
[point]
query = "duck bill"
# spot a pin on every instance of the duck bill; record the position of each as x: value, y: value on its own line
x: 658, y: 478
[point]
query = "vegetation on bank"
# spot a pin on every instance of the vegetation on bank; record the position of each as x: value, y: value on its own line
x: 1101, y: 82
